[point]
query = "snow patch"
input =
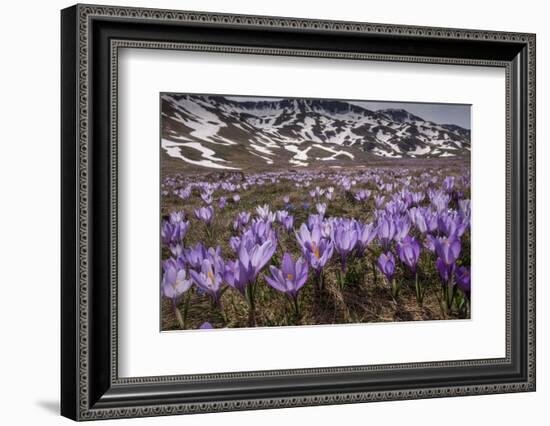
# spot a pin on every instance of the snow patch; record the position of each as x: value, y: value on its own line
x: 381, y: 153
x: 209, y: 159
x: 261, y: 149
x: 335, y: 153
x: 297, y: 162
x: 266, y: 159
x: 298, y: 154
x: 420, y: 151
x: 383, y: 137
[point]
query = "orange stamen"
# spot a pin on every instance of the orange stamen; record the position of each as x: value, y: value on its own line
x: 315, y: 250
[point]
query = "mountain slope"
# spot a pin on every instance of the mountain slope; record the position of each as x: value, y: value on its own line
x: 209, y: 131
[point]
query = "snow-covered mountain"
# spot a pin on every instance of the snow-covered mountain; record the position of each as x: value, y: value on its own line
x: 209, y: 130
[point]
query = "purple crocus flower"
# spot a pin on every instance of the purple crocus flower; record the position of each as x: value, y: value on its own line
x: 326, y: 229
x: 184, y: 194
x: 205, y: 214
x: 290, y: 278
x: 265, y: 214
x: 346, y: 184
x: 449, y: 183
x: 260, y: 231
x: 236, y: 198
x: 175, y: 282
x: 235, y: 243
x: 318, y: 255
x: 288, y: 223
x: 321, y: 208
x: 440, y: 200
x: 409, y: 252
x: 228, y: 186
x: 452, y: 224
x: 314, y: 220
x: 177, y: 216
x: 307, y: 238
x: 316, y: 248
x: 209, y: 279
x: 448, y: 249
x: 396, y: 208
x: 241, y: 220
x: 429, y: 242
x: 206, y: 326
x: 402, y: 227
x: 445, y: 271
x: 464, y: 206
x: 207, y: 197
x: 365, y: 235
x: 286, y: 199
x: 379, y: 201
x: 236, y: 275
x: 362, y: 195
x: 317, y: 192
x: 386, y: 264
x: 385, y: 232
x: 176, y: 263
x: 215, y: 256
x: 194, y: 256
x: 462, y: 275
x: 417, y: 197
x: 222, y: 202
x: 431, y: 220
x: 345, y: 239
x: 173, y: 232
x: 280, y: 215
x: 418, y: 219
x: 176, y: 249
x: 253, y: 258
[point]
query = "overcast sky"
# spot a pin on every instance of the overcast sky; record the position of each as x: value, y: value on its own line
x: 458, y: 114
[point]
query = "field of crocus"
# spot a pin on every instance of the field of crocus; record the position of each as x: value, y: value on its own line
x: 315, y: 246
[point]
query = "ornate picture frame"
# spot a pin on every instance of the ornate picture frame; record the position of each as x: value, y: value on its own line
x: 91, y: 38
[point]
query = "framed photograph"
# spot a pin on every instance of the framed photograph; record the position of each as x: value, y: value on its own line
x: 263, y: 212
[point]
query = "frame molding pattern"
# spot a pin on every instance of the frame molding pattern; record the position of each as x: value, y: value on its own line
x: 115, y: 46
x: 85, y: 13
x: 531, y: 213
x: 304, y: 401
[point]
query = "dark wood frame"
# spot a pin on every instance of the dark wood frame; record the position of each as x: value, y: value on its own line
x: 91, y: 37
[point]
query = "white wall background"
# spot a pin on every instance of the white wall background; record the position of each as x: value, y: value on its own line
x: 29, y: 212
